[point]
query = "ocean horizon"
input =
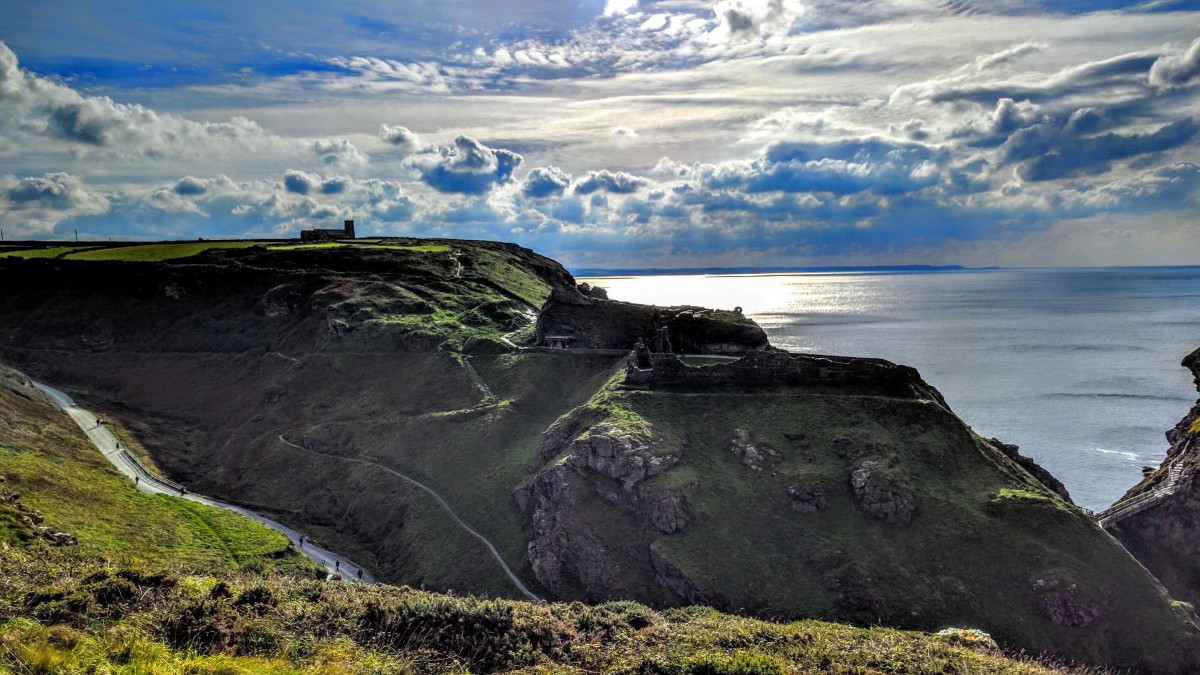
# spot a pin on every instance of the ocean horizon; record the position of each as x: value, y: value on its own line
x: 1078, y: 366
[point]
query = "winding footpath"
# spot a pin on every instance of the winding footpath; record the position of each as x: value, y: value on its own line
x: 107, y: 444
x: 441, y: 502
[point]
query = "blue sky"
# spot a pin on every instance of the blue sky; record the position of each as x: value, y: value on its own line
x: 617, y: 133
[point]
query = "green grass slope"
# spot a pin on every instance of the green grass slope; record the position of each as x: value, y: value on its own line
x: 77, y: 617
x: 63, y: 484
x: 786, y: 532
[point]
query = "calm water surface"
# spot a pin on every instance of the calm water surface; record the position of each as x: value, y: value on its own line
x: 1079, y: 367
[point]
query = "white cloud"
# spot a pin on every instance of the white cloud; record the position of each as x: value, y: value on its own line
x: 35, y: 110
x: 36, y: 203
x: 1177, y: 70
x: 400, y: 137
x: 619, y: 7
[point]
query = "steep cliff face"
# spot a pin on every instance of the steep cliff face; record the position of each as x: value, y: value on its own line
x: 1166, y: 536
x: 451, y: 296
x: 600, y: 323
x: 799, y: 485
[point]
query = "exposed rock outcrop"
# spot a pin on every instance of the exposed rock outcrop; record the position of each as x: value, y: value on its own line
x: 755, y: 456
x: 601, y: 461
x: 880, y: 492
x: 25, y: 522
x: 567, y: 555
x: 1064, y: 605
x: 807, y: 499
x: 1166, y: 536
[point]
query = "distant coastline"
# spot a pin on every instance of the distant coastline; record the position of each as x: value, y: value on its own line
x: 654, y: 271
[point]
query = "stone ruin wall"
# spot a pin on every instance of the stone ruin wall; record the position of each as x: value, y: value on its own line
x: 770, y: 368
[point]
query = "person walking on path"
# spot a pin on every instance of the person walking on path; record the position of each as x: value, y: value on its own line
x: 301, y: 541
x: 360, y: 575
x: 136, y: 480
x: 337, y: 565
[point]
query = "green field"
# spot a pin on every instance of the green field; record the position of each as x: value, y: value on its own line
x: 156, y: 252
x: 416, y: 248
x: 49, y: 252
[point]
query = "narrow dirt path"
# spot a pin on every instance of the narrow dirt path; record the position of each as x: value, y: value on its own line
x: 441, y: 502
x: 107, y: 444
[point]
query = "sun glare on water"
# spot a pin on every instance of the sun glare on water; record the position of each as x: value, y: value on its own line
x: 756, y: 294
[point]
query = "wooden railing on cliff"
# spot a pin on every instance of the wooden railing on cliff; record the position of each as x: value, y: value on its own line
x: 487, y: 391
x: 1134, y: 505
x: 145, y: 473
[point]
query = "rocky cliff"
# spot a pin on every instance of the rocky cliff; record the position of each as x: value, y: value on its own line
x: 1166, y: 536
x: 609, y: 324
x: 799, y: 485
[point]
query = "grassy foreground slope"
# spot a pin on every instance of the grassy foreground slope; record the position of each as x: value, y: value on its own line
x: 52, y: 480
x: 78, y: 617
x: 160, y: 585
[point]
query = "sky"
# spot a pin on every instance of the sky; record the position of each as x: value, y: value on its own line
x: 617, y: 133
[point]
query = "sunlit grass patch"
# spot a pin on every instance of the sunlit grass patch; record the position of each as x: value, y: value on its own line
x: 316, y: 246
x: 155, y: 252
x: 48, y: 252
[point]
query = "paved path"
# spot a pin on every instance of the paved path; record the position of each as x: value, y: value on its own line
x: 441, y: 502
x: 147, y: 482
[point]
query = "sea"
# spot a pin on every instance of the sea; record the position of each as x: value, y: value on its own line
x: 1079, y: 367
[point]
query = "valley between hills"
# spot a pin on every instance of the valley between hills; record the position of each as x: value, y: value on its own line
x: 670, y: 483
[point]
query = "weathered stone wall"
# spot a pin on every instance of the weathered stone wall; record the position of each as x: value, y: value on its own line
x: 771, y: 368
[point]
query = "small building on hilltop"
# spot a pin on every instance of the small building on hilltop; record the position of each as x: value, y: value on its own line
x: 346, y: 232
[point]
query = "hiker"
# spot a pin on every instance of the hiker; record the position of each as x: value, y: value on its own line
x: 360, y: 575
x: 181, y: 490
x: 301, y: 541
x: 99, y: 421
x: 337, y: 565
x: 136, y: 480
x: 118, y: 445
